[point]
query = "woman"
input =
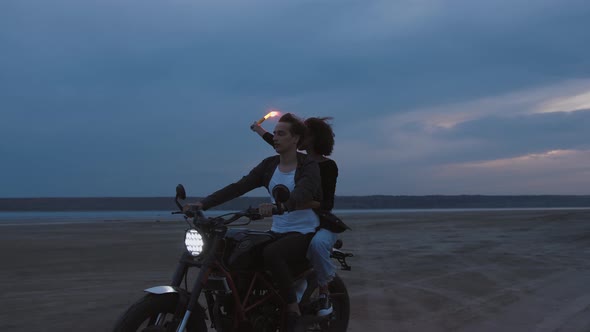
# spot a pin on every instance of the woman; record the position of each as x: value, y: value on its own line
x: 319, y: 143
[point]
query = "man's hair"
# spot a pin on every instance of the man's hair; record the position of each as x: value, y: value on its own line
x: 297, y: 126
x: 322, y: 135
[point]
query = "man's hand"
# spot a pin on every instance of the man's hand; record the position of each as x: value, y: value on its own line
x: 265, y: 209
x: 257, y: 128
x: 188, y: 207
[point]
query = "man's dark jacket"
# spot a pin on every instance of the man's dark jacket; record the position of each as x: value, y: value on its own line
x: 307, y: 183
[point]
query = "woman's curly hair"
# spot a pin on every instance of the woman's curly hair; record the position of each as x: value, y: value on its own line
x: 321, y: 134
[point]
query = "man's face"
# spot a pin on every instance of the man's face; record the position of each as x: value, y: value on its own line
x: 283, y: 140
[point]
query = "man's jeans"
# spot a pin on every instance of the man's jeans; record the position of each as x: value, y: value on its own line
x: 318, y: 254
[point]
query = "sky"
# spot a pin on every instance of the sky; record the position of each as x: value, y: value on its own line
x: 428, y: 97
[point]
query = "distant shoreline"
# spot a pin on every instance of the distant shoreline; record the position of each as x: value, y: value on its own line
x: 55, y: 218
x: 341, y: 202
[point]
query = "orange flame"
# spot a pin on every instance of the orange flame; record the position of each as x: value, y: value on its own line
x: 269, y: 115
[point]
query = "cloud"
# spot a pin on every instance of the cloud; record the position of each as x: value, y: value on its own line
x: 406, y: 150
x: 515, y: 135
x: 410, y: 84
x: 566, y: 103
x: 395, y: 53
x: 505, y: 124
x: 551, y: 172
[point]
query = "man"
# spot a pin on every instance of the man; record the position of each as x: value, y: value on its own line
x: 296, y: 227
x: 319, y: 144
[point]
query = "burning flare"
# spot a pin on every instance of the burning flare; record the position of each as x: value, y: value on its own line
x: 269, y: 115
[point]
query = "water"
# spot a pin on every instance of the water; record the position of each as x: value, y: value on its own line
x: 71, y: 217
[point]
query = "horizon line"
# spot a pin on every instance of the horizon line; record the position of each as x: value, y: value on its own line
x: 336, y: 196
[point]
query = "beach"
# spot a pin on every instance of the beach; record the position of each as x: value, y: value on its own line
x: 419, y: 271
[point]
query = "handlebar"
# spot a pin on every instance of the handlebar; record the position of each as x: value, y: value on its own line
x: 251, y: 213
x: 198, y: 217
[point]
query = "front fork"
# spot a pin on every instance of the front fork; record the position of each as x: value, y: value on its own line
x: 201, y: 280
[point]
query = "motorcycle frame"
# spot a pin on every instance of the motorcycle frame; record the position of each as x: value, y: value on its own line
x: 208, y: 264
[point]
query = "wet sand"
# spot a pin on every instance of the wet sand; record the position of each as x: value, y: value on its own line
x: 442, y: 271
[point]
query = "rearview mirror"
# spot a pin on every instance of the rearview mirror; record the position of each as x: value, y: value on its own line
x: 180, y: 192
x: 281, y: 193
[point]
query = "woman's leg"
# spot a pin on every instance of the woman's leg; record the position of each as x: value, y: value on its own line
x: 319, y: 253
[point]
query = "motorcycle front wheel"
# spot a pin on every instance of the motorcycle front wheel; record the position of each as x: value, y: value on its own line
x: 156, y: 313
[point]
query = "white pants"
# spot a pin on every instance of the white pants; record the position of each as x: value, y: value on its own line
x: 318, y: 254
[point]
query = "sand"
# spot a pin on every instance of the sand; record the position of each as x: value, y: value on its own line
x: 440, y: 271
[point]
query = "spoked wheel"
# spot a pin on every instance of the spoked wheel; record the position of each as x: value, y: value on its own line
x: 156, y: 313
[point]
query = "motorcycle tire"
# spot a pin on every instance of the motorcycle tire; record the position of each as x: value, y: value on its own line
x: 149, y: 307
x: 341, y: 303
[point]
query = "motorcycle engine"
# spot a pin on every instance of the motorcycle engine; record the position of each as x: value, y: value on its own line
x: 266, y: 318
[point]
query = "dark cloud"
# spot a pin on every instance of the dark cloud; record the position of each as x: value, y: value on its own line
x: 456, y: 53
x: 507, y: 137
x: 90, y: 85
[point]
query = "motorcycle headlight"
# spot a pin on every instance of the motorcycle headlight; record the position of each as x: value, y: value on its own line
x: 193, y: 242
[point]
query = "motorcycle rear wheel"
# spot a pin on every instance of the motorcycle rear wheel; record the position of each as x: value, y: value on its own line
x: 142, y: 315
x: 341, y: 303
x: 338, y: 320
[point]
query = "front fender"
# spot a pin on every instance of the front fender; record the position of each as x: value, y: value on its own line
x: 159, y: 290
x: 184, y: 296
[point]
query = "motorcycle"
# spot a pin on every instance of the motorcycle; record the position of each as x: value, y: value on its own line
x: 232, y: 290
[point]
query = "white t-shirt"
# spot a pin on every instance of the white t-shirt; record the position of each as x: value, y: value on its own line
x: 302, y: 221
